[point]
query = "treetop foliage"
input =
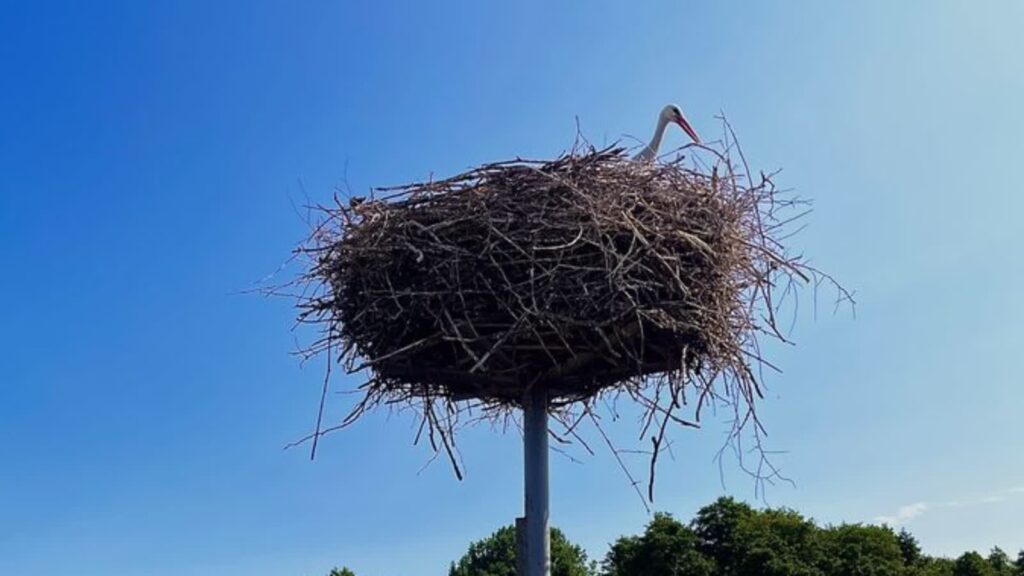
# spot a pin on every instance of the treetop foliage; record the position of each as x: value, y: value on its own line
x: 731, y: 538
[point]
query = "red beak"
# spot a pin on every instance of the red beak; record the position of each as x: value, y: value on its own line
x: 688, y: 129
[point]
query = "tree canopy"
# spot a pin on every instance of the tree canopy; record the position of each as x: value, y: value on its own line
x: 732, y: 538
x: 496, y: 556
x: 666, y: 548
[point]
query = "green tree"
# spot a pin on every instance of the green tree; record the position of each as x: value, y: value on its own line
x: 933, y: 567
x: 972, y: 564
x: 909, y: 548
x: 341, y: 572
x: 1018, y: 565
x: 496, y: 556
x: 858, y: 550
x: 1000, y: 562
x: 779, y: 543
x: 743, y: 541
x: 717, y: 527
x: 666, y: 548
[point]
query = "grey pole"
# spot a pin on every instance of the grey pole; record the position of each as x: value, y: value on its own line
x: 535, y: 452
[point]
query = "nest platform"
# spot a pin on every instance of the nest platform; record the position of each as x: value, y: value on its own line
x: 581, y: 274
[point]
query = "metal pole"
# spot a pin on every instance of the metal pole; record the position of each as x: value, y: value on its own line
x: 535, y: 452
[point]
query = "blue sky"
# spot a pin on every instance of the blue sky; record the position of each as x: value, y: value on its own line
x: 151, y: 155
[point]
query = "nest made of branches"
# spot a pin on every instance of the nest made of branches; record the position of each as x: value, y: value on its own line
x: 584, y: 274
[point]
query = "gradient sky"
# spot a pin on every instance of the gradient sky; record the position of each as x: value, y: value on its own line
x: 151, y: 155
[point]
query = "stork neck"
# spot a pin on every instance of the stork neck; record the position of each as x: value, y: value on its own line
x: 659, y: 133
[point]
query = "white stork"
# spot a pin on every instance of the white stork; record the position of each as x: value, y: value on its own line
x: 670, y: 113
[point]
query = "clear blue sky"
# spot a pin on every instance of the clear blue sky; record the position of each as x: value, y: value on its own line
x: 150, y: 156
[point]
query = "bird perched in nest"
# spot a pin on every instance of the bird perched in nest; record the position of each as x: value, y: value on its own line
x: 670, y: 113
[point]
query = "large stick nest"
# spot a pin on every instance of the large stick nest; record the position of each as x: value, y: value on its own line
x: 583, y: 274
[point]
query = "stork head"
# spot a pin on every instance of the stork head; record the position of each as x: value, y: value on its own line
x: 672, y: 113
